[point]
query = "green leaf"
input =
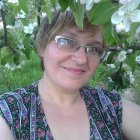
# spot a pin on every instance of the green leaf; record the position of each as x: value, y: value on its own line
x: 78, y: 11
x: 131, y: 61
x: 5, y: 51
x: 47, y: 10
x: 107, y: 34
x: 10, y: 19
x: 101, y: 13
x: 134, y: 27
x: 110, y: 57
x: 7, y: 59
x: 64, y: 4
x: 27, y: 52
x: 27, y: 40
x: 27, y: 44
x: 54, y: 3
x: 16, y: 8
x: 24, y: 5
x: 17, y: 58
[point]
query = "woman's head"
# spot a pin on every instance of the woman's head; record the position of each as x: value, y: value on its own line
x: 69, y: 55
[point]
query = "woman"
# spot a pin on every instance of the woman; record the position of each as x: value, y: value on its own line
x: 60, y: 106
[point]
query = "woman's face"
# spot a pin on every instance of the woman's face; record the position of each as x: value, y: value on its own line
x: 71, y: 70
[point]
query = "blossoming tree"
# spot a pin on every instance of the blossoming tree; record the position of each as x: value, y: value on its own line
x: 120, y: 20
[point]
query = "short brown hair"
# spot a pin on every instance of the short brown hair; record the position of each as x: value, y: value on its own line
x: 60, y: 22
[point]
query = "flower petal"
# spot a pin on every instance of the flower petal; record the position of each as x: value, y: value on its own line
x: 89, y: 4
x: 127, y: 24
x: 97, y: 1
x: 116, y: 18
x: 122, y: 10
x: 83, y: 1
x: 135, y: 16
x: 133, y: 5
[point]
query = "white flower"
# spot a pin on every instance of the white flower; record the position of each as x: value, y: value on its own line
x: 112, y: 66
x: 137, y: 35
x: 127, y: 14
x: 124, y: 1
x: 1, y: 25
x: 1, y: 4
x: 20, y: 46
x: 120, y: 27
x: 29, y: 29
x: 76, y: 1
x: 34, y: 24
x: 122, y: 56
x: 13, y: 1
x: 129, y: 51
x: 130, y: 76
x: 43, y: 14
x: 138, y: 59
x: 83, y: 1
x: 21, y: 14
x: 18, y: 24
x: 90, y: 3
x: 10, y: 66
x: 110, y: 79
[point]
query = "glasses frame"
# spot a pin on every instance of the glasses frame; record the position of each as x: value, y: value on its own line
x: 87, y: 48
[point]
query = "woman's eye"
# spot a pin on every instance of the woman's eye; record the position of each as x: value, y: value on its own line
x: 93, y: 49
x: 63, y: 41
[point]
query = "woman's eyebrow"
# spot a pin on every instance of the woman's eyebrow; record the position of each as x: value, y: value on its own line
x: 70, y: 34
x: 95, y: 42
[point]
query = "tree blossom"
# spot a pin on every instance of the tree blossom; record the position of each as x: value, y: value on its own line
x: 89, y: 3
x: 20, y: 46
x: 124, y: 1
x: 122, y: 56
x: 83, y: 1
x: 120, y: 27
x: 138, y: 59
x: 18, y: 24
x: 129, y: 51
x: 127, y: 14
x: 13, y: 1
x: 29, y: 29
x: 130, y: 76
x: 1, y: 4
x: 21, y: 14
x: 43, y: 14
x: 10, y: 66
x: 110, y: 79
x: 112, y: 66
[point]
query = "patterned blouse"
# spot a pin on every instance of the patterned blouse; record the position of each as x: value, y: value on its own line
x: 23, y: 113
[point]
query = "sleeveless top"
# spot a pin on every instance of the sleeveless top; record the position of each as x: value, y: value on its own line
x: 24, y: 114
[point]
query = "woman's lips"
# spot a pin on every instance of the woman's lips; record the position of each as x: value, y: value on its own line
x: 75, y: 71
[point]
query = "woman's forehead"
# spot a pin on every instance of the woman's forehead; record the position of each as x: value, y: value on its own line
x: 89, y: 34
x: 89, y: 30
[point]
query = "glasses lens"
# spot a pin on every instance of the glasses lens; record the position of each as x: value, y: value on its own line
x: 95, y: 51
x: 67, y: 44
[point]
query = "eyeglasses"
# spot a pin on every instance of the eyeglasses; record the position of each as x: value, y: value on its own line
x: 70, y: 45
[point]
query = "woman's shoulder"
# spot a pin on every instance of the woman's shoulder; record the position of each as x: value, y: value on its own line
x: 16, y: 102
x: 107, y: 102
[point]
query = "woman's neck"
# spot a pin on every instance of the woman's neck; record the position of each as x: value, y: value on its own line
x: 55, y: 95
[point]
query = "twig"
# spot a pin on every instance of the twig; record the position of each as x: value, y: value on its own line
x: 4, y: 27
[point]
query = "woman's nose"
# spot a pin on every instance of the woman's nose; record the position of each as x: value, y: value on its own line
x: 80, y: 56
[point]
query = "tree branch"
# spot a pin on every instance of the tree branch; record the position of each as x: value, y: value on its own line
x: 4, y: 27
